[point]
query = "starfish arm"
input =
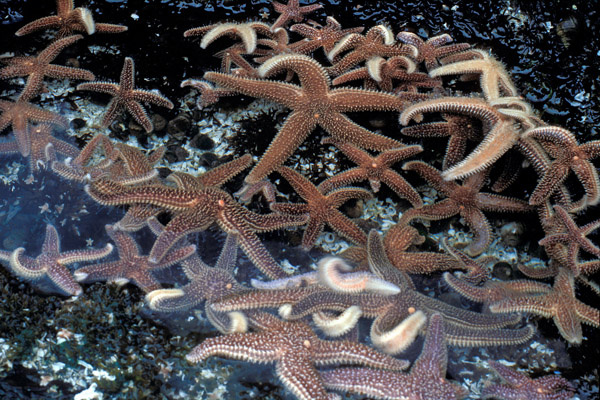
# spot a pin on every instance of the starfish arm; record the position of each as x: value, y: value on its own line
x: 343, y: 129
x: 300, y: 376
x: 554, y: 134
x: 217, y: 176
x: 271, y: 222
x: 176, y: 255
x: 588, y: 315
x: 553, y: 177
x: 473, y: 107
x: 402, y: 188
x: 311, y: 232
x: 182, y: 224
x: 455, y: 151
x: 355, y: 154
x: 260, y: 257
x: 345, y: 227
x: 110, y: 28
x: 432, y: 212
x: 370, y: 382
x: 65, y: 148
x: 50, y: 52
x: 51, y: 243
x: 176, y: 300
x: 136, y: 110
x: 293, y: 132
x: 421, y: 262
x: 39, y: 24
x: 60, y: 71
x: 346, y: 352
x: 352, y: 100
x: 313, y: 77
x: 100, y: 272
x: 292, y: 209
x: 494, y: 202
x: 73, y: 256
x: 300, y: 183
x: 393, y: 156
x: 102, y: 87
x: 345, y: 178
x: 253, y: 347
x: 18, y: 66
x: 431, y: 175
x: 243, y: 31
x: 434, y: 357
x: 588, y: 176
x: 148, y: 96
x: 338, y: 197
x: 482, y: 230
x: 25, y: 266
x: 279, y: 92
x: 591, y: 149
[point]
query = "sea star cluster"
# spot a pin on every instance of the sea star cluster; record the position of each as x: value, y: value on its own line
x: 307, y: 324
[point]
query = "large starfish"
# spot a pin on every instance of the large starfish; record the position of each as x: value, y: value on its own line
x: 500, y: 130
x: 321, y: 208
x: 51, y: 263
x: 465, y: 200
x: 296, y: 350
x: 568, y: 156
x: 38, y: 67
x: 374, y: 169
x: 19, y: 114
x: 131, y: 265
x: 125, y: 95
x: 313, y: 103
x: 425, y: 381
x: 520, y: 386
x: 195, y: 207
x: 559, y: 303
x: 68, y: 20
x: 292, y: 11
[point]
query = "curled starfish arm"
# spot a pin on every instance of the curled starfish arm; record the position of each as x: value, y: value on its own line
x: 73, y: 256
x: 313, y: 77
x: 481, y: 228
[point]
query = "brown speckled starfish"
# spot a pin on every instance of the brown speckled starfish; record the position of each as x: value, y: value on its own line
x: 292, y: 11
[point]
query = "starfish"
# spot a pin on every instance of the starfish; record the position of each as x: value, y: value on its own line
x: 313, y: 103
x: 246, y: 31
x: 208, y: 93
x: 51, y: 263
x: 38, y: 67
x: 378, y: 41
x: 321, y: 208
x: 68, y: 20
x: 568, y: 155
x: 495, y: 81
x: 206, y: 285
x: 19, y: 114
x: 322, y: 36
x: 520, y: 386
x: 40, y: 137
x: 574, y: 237
x: 131, y: 265
x: 381, y: 73
x: 465, y: 200
x: 296, y: 350
x: 559, y: 303
x: 375, y: 170
x: 195, y: 207
x: 458, y: 128
x: 292, y: 11
x: 426, y: 379
x: 124, y: 95
x: 433, y: 49
x: 501, y: 132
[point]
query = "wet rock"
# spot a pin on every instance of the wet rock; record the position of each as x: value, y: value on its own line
x: 202, y: 142
x: 179, y: 126
x: 159, y: 122
x: 77, y: 123
x: 208, y: 160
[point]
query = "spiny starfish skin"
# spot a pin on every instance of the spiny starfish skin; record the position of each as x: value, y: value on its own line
x: 125, y: 95
x: 131, y: 266
x: 313, y: 103
x: 465, y: 200
x: 68, y: 20
x: 374, y: 169
x: 559, y: 303
x: 292, y: 11
x: 38, y: 67
x: 521, y: 387
x: 433, y: 49
x: 322, y: 208
x: 500, y: 131
x: 425, y: 381
x: 296, y: 350
x: 322, y: 36
x: 51, y: 263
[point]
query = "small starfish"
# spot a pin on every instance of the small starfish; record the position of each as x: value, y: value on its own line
x: 292, y: 11
x: 500, y: 132
x: 520, y: 386
x: 574, y: 237
x: 131, y: 265
x: 465, y: 200
x: 68, y: 20
x: 321, y: 208
x: 426, y: 379
x: 559, y: 303
x: 434, y: 48
x: 322, y: 36
x: 51, y: 263
x: 38, y: 67
x: 246, y: 31
x: 124, y: 95
x: 313, y: 103
x: 378, y: 41
x: 40, y: 137
x: 458, y: 128
x: 296, y: 350
x: 375, y: 170
x: 19, y: 114
x: 495, y: 81
x: 568, y: 155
